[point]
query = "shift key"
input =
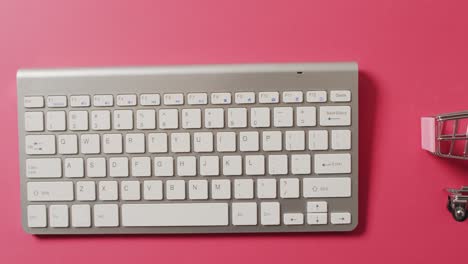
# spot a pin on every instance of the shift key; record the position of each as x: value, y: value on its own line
x: 50, y: 191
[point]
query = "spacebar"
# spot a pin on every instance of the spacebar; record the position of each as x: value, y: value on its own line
x: 175, y: 214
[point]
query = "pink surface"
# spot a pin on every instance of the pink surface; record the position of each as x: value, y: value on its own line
x: 412, y: 57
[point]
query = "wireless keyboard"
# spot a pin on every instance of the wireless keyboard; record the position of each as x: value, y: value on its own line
x: 189, y: 149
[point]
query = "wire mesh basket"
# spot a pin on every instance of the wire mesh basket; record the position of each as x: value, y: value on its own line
x: 446, y: 135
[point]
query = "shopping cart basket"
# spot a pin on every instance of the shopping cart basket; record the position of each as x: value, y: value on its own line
x: 446, y: 136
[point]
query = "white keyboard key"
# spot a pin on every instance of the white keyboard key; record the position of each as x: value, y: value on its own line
x: 89, y: 144
x: 341, y: 139
x: 33, y: 121
x: 268, y: 97
x: 78, y: 120
x: 326, y: 187
x: 340, y: 218
x: 123, y: 119
x: 186, y: 166
x: 244, y: 214
x: 180, y: 142
x: 135, y: 143
x: 57, y: 101
x: 220, y: 98
x: 174, y: 214
x: 245, y: 98
x: 289, y: 188
x: 203, y: 142
x: 67, y: 144
x: 108, y: 191
x: 33, y: 101
x: 157, y: 143
x: 332, y: 163
x: 56, y: 121
x: 81, y: 215
x: 340, y: 96
x: 100, y: 120
x: 96, y: 167
x: 112, y: 143
x: 150, y: 99
x: 174, y: 99
x: 283, y: 116
x: 58, y: 215
x: 306, y: 116
x: 103, y: 100
x: 293, y: 219
x: 237, y: 117
x: 260, y: 117
x: 80, y: 101
x: 214, y: 118
x: 277, y: 164
x: 243, y: 189
x: 191, y: 118
x: 316, y: 96
x: 318, y: 140
x: 335, y: 115
x: 118, y: 167
x: 85, y: 191
x: 152, y: 190
x: 249, y: 141
x: 266, y: 188
x: 168, y: 119
x: 272, y: 141
x: 255, y: 165
x: 226, y: 141
x: 175, y: 190
x: 295, y: 140
x: 198, y: 189
x: 106, y: 215
x: 126, y: 100
x: 37, y: 216
x: 40, y: 144
x: 163, y: 166
x: 270, y: 213
x: 197, y: 99
x: 300, y: 164
x: 141, y: 166
x: 232, y: 165
x: 220, y: 189
x: 317, y: 207
x: 209, y: 165
x: 293, y: 97
x: 44, y: 168
x: 146, y: 119
x: 74, y: 167
x: 50, y: 191
x: 317, y: 218
x: 130, y: 190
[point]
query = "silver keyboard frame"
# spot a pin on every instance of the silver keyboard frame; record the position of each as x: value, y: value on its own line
x: 185, y: 79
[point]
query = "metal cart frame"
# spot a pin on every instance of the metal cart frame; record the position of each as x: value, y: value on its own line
x: 433, y: 135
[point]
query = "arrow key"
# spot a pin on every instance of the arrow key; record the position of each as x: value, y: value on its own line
x: 293, y: 219
x: 317, y: 207
x: 317, y: 218
x: 340, y: 218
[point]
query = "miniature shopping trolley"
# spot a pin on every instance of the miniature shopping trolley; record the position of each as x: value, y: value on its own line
x: 446, y: 136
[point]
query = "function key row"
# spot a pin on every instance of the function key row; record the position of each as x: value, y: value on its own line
x: 106, y: 100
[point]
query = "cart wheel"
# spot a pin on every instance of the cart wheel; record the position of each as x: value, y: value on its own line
x: 459, y: 213
x: 449, y: 204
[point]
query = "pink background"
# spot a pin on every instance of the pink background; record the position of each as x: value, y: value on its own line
x: 413, y: 61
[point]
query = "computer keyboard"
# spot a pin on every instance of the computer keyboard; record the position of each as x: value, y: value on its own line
x: 189, y: 149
